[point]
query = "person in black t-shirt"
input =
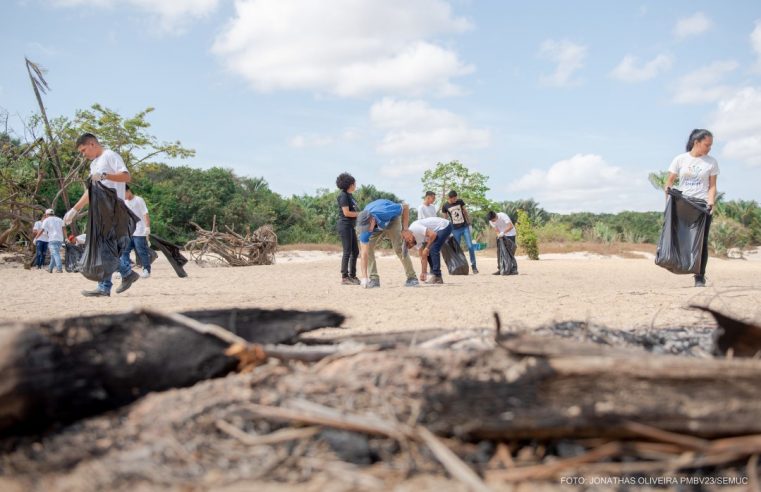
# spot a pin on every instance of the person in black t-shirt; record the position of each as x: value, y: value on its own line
x: 347, y: 219
x: 454, y: 208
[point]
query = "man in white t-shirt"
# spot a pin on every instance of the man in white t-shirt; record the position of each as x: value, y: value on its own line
x: 427, y: 208
x: 52, y: 226
x: 505, y: 230
x: 40, y: 243
x: 109, y: 169
x: 142, y: 230
x: 431, y: 231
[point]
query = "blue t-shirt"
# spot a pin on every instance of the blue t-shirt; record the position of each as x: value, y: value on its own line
x: 384, y: 211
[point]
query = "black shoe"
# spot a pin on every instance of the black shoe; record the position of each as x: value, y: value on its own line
x: 96, y: 293
x: 127, y: 282
x: 496, y: 273
x: 700, y: 281
x: 474, y: 270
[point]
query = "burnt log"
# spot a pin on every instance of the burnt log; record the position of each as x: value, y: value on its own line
x: 63, y: 370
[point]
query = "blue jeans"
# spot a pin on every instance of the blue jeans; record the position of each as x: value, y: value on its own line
x: 140, y: 245
x: 55, y: 256
x: 465, y: 231
x: 41, y: 249
x: 106, y: 284
x: 434, y: 252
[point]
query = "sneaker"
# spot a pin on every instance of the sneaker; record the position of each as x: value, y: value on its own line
x: 355, y: 280
x: 145, y: 274
x: 96, y: 293
x: 411, y: 282
x: 700, y: 281
x: 437, y: 280
x: 346, y: 281
x: 127, y: 282
x: 373, y: 283
x: 474, y: 270
x: 496, y: 273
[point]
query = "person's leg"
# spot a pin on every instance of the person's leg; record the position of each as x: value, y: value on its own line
x: 55, y: 256
x: 434, y: 254
x: 394, y: 234
x: 372, y: 266
x: 41, y: 249
x: 124, y: 261
x: 124, y: 244
x: 471, y: 248
x: 140, y: 244
x: 510, y: 240
x: 457, y: 234
x: 704, y: 256
x: 105, y: 284
x: 344, y: 231
x: 354, y: 253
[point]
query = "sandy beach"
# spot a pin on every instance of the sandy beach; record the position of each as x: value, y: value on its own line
x: 617, y: 292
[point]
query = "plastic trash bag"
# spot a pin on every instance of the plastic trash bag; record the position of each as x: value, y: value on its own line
x: 73, y: 255
x: 109, y: 222
x: 506, y: 261
x: 453, y: 256
x: 172, y: 253
x: 680, y: 247
x: 151, y: 254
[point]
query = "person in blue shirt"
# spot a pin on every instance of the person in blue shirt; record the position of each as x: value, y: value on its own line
x: 383, y: 218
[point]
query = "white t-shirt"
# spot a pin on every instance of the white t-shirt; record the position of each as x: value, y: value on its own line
x: 37, y: 226
x: 694, y: 174
x: 419, y: 227
x: 424, y: 211
x: 54, y: 228
x: 138, y: 207
x: 501, y: 223
x: 109, y: 162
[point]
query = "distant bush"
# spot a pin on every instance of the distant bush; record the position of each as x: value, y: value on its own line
x: 727, y: 234
x: 527, y: 239
x: 555, y: 232
x: 604, y: 233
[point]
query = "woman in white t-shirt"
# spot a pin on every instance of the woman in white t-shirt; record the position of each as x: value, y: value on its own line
x: 697, y: 173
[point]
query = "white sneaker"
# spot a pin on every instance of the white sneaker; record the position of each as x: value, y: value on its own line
x: 145, y: 274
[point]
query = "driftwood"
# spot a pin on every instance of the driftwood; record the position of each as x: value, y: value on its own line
x: 63, y: 370
x: 233, y: 249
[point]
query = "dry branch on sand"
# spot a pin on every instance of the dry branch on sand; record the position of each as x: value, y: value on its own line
x: 216, y: 248
x: 487, y: 409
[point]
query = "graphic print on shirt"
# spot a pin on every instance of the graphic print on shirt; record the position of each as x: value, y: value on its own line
x: 455, y: 211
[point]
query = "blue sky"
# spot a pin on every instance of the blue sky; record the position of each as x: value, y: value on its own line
x: 569, y: 103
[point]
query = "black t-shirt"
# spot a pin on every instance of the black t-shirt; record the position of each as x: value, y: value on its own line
x: 346, y: 200
x: 456, y: 212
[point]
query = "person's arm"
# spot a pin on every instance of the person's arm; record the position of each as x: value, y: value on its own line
x: 423, y: 264
x: 405, y: 216
x: 669, y: 182
x: 349, y: 213
x: 711, y: 192
x: 465, y: 214
x: 363, y: 256
x: 122, y: 177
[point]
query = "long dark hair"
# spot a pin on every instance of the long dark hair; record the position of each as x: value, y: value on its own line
x: 697, y: 135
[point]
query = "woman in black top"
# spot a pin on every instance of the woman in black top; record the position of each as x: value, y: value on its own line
x: 347, y: 218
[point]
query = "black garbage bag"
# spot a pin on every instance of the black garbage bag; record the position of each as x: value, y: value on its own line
x: 506, y: 261
x: 74, y: 254
x: 108, y: 220
x: 680, y: 247
x: 453, y: 256
x: 172, y: 253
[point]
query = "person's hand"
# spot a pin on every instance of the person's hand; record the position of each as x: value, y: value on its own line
x: 98, y: 177
x: 501, y: 234
x: 70, y: 215
x: 710, y: 209
x: 147, y: 231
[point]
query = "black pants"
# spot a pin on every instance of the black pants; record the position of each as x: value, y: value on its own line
x: 351, y: 249
x: 704, y: 257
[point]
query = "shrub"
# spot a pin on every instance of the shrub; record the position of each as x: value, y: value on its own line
x: 604, y: 233
x: 556, y: 232
x: 527, y: 239
x: 727, y: 234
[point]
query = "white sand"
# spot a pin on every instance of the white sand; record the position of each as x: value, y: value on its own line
x: 624, y: 293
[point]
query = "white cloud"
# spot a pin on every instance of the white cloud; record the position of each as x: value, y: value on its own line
x: 704, y: 85
x: 737, y: 122
x: 569, y: 58
x: 755, y: 41
x: 171, y: 15
x: 628, y: 71
x: 350, y: 48
x: 417, y: 135
x: 693, y: 25
x: 306, y: 141
x: 583, y: 182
